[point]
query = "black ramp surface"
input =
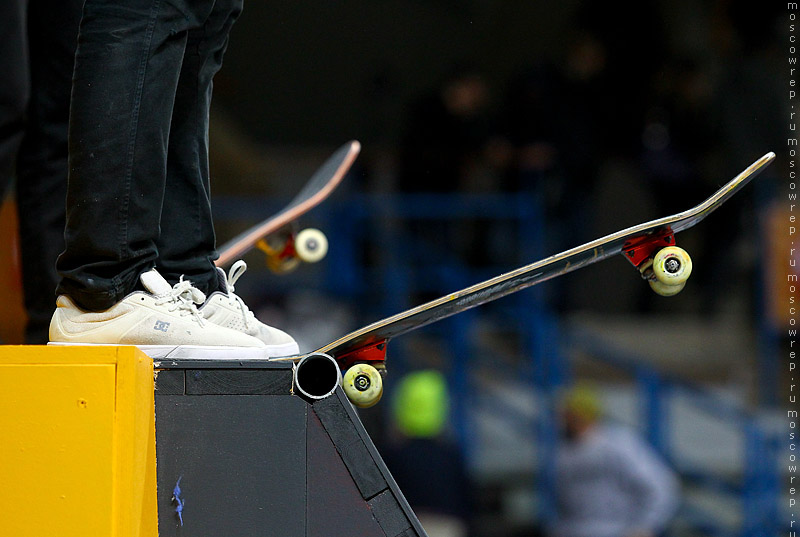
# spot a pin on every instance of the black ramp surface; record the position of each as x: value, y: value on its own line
x: 238, y: 456
x: 366, y: 468
x: 335, y: 506
x: 241, y: 382
x: 241, y: 461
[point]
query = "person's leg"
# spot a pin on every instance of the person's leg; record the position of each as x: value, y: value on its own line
x: 186, y: 245
x: 15, y: 89
x: 127, y: 65
x: 42, y: 160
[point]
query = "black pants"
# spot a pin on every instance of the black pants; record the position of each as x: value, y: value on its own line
x: 37, y: 46
x: 138, y: 193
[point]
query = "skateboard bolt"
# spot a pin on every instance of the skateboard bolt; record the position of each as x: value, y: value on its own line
x: 362, y: 383
x: 672, y: 265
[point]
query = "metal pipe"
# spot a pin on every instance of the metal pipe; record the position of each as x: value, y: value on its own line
x: 316, y: 376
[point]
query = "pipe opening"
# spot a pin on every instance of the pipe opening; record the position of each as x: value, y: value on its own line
x: 317, y: 376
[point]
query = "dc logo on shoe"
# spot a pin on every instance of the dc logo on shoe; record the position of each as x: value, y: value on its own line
x: 161, y: 326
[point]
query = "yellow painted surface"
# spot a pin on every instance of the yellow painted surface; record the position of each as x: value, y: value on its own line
x: 77, y: 442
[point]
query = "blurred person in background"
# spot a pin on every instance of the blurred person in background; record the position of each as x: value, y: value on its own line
x: 450, y: 146
x: 609, y: 482
x: 37, y: 50
x: 427, y: 465
x: 447, y: 135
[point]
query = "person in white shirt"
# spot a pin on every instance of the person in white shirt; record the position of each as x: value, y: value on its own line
x: 608, y: 481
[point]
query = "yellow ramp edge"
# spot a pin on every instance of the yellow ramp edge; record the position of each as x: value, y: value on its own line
x: 77, y: 442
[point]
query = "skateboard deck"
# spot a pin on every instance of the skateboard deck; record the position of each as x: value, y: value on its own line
x: 639, y: 244
x: 316, y: 190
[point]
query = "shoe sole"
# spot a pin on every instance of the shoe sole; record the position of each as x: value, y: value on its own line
x: 200, y: 352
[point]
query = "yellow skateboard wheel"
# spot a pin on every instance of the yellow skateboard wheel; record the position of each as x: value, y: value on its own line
x: 311, y: 245
x: 363, y: 385
x: 672, y: 266
x: 664, y: 289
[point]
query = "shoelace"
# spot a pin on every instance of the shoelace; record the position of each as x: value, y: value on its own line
x: 234, y: 273
x: 184, y: 297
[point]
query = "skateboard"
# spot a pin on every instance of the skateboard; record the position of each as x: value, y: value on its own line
x: 278, y: 237
x: 650, y: 248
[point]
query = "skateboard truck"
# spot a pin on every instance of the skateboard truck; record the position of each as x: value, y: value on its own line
x: 375, y: 352
x: 309, y: 246
x: 665, y: 266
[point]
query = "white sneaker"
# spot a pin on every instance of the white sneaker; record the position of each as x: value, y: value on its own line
x: 164, y: 323
x: 226, y: 308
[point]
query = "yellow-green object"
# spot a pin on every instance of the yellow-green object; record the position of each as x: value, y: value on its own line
x: 77, y: 455
x: 582, y: 400
x: 421, y: 404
